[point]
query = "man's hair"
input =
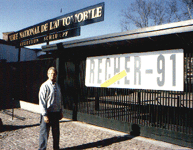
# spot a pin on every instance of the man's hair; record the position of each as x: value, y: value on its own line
x: 52, y: 68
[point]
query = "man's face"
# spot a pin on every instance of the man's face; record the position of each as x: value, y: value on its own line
x: 52, y: 75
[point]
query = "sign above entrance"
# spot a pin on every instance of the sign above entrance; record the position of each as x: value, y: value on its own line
x: 51, y: 37
x: 62, y: 23
x: 159, y: 70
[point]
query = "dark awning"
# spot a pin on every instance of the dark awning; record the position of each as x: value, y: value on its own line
x: 167, y: 36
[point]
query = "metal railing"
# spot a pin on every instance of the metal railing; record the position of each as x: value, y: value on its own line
x: 168, y: 110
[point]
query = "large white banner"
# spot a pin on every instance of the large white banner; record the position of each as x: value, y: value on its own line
x: 158, y: 70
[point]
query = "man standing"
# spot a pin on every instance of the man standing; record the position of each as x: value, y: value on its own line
x: 51, y: 110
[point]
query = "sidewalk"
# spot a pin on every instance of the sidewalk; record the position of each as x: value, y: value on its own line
x: 22, y: 133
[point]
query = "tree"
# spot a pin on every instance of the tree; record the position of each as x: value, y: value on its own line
x: 173, y: 11
x: 187, y: 9
x: 138, y: 13
x: 145, y: 13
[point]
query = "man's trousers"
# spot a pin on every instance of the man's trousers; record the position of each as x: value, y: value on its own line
x: 45, y: 128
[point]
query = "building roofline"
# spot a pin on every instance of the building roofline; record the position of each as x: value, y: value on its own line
x: 170, y: 28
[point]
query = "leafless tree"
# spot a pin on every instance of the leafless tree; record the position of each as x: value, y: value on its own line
x: 158, y: 13
x: 187, y: 9
x: 144, y: 13
x: 173, y: 11
x: 138, y: 14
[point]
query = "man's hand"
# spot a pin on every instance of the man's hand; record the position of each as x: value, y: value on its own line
x: 46, y: 119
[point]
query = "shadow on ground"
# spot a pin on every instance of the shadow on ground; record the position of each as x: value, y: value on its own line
x: 14, y: 127
x: 101, y: 143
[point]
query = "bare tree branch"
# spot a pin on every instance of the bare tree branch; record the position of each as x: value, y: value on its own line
x: 144, y: 13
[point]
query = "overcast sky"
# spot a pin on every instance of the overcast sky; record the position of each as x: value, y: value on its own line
x: 19, y: 14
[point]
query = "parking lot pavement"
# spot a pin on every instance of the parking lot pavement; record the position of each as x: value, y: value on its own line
x: 22, y: 133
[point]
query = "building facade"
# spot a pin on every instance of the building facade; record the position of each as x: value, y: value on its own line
x: 163, y: 114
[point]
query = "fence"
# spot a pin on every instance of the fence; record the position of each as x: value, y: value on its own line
x: 163, y: 115
x: 167, y: 113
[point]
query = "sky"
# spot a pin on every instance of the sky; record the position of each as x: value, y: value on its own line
x: 19, y: 14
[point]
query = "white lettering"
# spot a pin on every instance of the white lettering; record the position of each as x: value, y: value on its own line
x: 44, y: 27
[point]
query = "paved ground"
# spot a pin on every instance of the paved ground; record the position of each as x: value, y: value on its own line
x: 22, y: 133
